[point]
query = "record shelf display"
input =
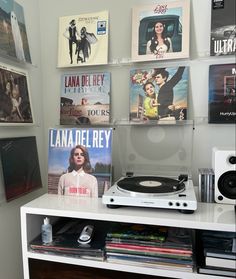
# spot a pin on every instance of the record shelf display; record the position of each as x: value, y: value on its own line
x: 209, y: 216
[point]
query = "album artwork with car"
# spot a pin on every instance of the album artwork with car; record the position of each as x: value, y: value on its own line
x: 13, y: 34
x: 222, y: 93
x: 85, y: 98
x: 223, y: 28
x: 159, y: 94
x: 160, y: 31
x: 83, y: 39
x: 79, y: 161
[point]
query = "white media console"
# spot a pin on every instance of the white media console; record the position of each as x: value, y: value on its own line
x: 208, y: 216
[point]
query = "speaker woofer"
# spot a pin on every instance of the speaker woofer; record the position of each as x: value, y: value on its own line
x: 227, y: 185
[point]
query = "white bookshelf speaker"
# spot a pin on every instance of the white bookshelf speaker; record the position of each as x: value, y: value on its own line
x: 224, y: 165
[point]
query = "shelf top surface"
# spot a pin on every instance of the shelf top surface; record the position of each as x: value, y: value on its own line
x: 209, y: 216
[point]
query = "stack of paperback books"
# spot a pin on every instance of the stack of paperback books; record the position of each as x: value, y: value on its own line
x: 150, y: 246
x: 219, y: 253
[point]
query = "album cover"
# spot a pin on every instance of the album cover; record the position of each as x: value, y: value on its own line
x: 222, y: 96
x: 13, y: 35
x: 158, y: 94
x: 160, y: 31
x: 83, y: 39
x: 20, y: 166
x: 79, y: 161
x: 85, y: 98
x: 223, y: 28
x: 15, y: 103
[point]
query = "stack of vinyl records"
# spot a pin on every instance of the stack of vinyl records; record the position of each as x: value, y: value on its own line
x: 219, y: 253
x: 150, y: 246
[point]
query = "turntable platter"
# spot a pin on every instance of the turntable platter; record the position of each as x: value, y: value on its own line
x: 153, y: 185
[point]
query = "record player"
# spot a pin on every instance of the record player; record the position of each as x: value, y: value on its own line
x: 152, y: 191
x: 156, y: 164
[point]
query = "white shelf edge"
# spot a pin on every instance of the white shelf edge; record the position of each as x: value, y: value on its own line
x: 54, y: 205
x: 119, y: 267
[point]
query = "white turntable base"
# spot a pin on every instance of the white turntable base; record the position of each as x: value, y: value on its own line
x: 184, y: 201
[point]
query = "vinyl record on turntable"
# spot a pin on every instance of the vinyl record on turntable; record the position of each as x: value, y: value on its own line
x: 150, y: 185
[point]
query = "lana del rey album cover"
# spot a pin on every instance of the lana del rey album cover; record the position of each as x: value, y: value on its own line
x: 223, y: 28
x: 160, y: 31
x: 222, y: 93
x: 83, y: 39
x: 79, y: 161
x: 159, y: 94
x: 85, y: 98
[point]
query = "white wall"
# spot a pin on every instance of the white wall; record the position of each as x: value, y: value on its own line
x: 10, y: 236
x: 205, y: 136
x: 42, y: 23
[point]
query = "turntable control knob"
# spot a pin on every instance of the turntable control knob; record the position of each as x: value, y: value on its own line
x: 232, y: 160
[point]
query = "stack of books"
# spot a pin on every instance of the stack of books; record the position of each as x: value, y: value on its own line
x: 150, y: 246
x: 219, y: 253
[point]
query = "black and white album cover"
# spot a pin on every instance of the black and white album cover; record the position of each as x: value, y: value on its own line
x: 223, y: 28
x: 222, y: 96
x: 83, y: 40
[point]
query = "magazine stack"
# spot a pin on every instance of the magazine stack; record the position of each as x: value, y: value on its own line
x: 218, y: 259
x: 150, y: 246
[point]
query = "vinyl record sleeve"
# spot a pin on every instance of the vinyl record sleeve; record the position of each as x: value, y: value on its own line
x: 85, y: 98
x: 20, y: 166
x: 171, y: 41
x: 15, y: 99
x: 13, y: 34
x: 222, y: 94
x: 95, y: 145
x: 223, y: 28
x: 169, y: 96
x: 83, y: 39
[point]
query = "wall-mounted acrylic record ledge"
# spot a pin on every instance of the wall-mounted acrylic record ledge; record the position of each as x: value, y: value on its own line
x: 120, y: 62
x: 126, y: 122
x: 16, y: 61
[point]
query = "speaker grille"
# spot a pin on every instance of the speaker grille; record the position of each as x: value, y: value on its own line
x: 227, y: 184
